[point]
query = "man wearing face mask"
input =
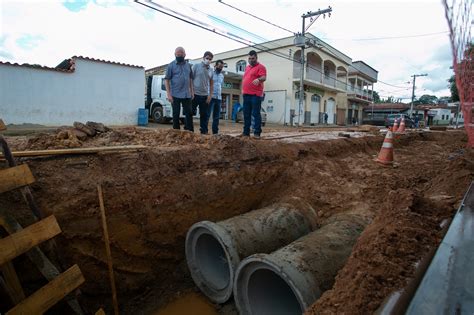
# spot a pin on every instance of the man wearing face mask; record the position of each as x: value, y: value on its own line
x: 252, y: 89
x: 215, y: 104
x: 203, y: 88
x: 179, y: 89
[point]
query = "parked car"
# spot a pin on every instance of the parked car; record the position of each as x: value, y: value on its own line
x: 240, y: 116
x: 409, y: 123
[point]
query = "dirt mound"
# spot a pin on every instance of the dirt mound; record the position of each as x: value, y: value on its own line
x: 66, y: 137
x: 386, y: 254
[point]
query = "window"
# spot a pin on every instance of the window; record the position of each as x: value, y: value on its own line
x: 163, y: 87
x: 315, y: 98
x: 240, y: 66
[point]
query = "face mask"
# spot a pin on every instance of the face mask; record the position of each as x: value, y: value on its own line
x: 179, y: 59
x: 206, y: 62
x: 218, y: 70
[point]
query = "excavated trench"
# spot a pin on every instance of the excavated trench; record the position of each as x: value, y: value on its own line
x: 152, y: 198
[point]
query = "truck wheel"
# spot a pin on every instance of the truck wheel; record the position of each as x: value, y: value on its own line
x: 157, y: 115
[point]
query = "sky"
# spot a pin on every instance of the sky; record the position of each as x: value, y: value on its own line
x: 397, y: 38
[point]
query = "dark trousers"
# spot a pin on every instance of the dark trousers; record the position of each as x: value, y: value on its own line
x: 252, y: 108
x: 200, y: 101
x: 215, y: 113
x: 187, y: 111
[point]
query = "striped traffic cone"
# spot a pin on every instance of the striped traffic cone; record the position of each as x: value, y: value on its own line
x: 402, y: 126
x: 395, y: 125
x: 386, y: 152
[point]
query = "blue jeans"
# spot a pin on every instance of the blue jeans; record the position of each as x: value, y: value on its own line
x: 215, y: 112
x: 252, y: 108
x: 200, y: 101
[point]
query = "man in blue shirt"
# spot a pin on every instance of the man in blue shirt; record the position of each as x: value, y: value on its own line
x: 179, y: 89
x: 216, y: 100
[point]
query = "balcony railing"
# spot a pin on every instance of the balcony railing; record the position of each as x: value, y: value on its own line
x: 358, y: 93
x: 313, y: 75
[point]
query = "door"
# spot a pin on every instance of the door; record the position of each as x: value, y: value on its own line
x: 315, y: 102
x: 331, y: 110
x: 224, y: 106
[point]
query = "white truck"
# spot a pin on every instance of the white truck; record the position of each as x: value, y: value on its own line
x: 159, y: 108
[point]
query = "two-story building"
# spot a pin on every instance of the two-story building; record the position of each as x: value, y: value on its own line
x: 333, y: 84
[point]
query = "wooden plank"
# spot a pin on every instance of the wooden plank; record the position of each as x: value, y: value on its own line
x: 77, y: 151
x: 39, y: 259
x: 2, y: 125
x: 12, y: 283
x: 15, y: 177
x: 22, y: 241
x: 43, y: 299
x: 107, y: 249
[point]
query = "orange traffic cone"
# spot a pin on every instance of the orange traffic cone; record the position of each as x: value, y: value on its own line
x: 386, y: 152
x: 395, y: 125
x: 402, y: 126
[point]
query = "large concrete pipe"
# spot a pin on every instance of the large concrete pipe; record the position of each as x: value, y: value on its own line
x: 292, y: 278
x: 214, y: 250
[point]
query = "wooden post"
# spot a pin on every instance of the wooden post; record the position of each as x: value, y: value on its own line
x: 107, y: 249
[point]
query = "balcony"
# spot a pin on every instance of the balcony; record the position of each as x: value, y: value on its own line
x: 313, y: 78
x: 357, y: 94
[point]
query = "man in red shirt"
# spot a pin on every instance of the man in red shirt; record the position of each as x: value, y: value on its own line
x: 252, y: 90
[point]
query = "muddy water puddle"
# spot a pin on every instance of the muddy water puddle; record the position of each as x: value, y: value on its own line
x: 191, y: 303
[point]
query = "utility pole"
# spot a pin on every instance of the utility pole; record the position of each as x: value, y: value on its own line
x: 413, y: 91
x: 300, y: 41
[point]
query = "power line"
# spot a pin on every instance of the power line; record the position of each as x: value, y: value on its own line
x: 231, y: 36
x: 258, y: 18
x: 400, y: 87
x: 219, y: 20
x: 209, y: 28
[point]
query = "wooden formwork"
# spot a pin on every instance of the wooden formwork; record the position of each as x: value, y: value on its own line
x: 25, y: 241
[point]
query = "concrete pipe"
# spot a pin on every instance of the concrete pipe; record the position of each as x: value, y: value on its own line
x: 214, y: 250
x: 292, y: 278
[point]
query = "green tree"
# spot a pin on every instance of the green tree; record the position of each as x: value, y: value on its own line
x: 454, y: 89
x: 376, y: 97
x: 426, y: 99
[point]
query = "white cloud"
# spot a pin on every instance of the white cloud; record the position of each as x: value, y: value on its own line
x: 132, y: 33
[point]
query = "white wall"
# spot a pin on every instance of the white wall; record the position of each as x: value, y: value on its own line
x: 95, y: 91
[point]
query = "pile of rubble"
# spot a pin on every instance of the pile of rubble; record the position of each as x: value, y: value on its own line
x: 73, y: 136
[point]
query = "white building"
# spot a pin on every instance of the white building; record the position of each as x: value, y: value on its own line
x: 78, y: 89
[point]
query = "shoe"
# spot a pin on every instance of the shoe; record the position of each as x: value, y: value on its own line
x: 243, y: 135
x: 256, y: 137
